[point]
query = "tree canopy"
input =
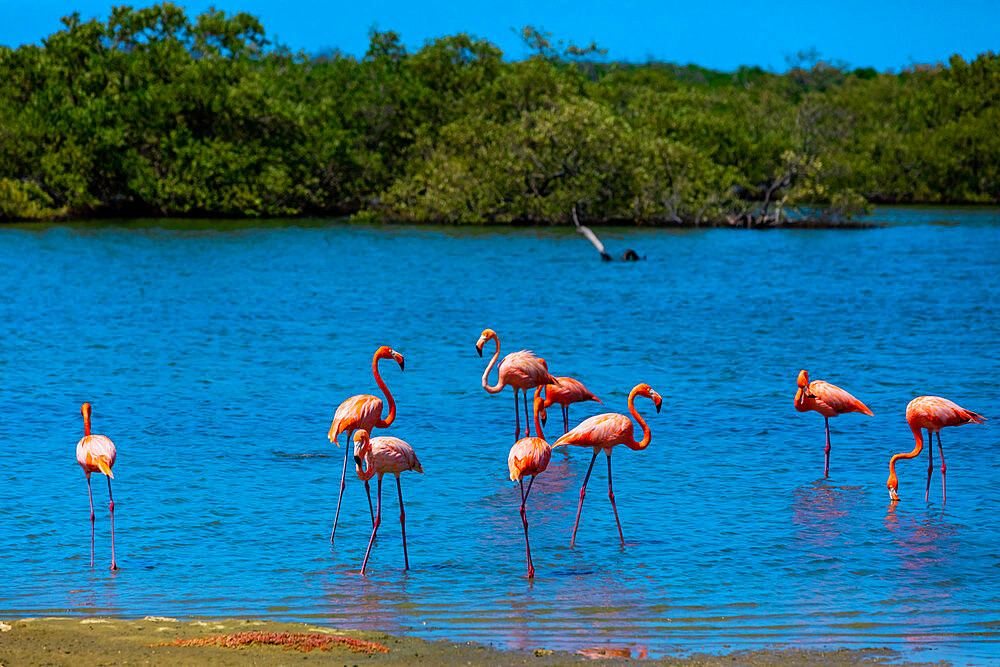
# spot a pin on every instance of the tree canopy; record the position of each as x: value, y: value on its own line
x: 155, y: 113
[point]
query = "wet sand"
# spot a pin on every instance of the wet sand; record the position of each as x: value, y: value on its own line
x: 110, y: 641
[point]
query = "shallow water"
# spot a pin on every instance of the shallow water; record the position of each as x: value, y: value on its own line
x: 215, y: 355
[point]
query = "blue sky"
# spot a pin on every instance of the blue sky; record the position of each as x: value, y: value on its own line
x: 721, y: 35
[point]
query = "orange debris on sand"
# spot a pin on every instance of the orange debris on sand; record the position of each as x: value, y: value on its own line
x: 300, y: 641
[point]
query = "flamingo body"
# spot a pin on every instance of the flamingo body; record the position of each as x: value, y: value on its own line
x: 96, y: 453
x: 569, y: 390
x: 520, y: 370
x: 378, y: 456
x: 603, y: 432
x: 363, y: 411
x: 830, y: 401
x: 932, y: 413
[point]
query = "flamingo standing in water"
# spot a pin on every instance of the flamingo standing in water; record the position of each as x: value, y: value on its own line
x: 96, y: 453
x: 377, y: 456
x: 604, y: 432
x: 363, y: 411
x: 521, y: 370
x: 529, y: 456
x: 932, y: 413
x: 569, y: 390
x: 830, y: 401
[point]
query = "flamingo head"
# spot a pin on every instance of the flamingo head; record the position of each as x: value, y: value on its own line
x: 543, y: 414
x: 892, y: 484
x: 85, y: 410
x: 488, y: 334
x: 386, y: 352
x: 803, y: 379
x: 647, y: 391
x: 362, y: 445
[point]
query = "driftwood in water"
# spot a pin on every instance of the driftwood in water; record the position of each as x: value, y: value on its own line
x: 591, y: 237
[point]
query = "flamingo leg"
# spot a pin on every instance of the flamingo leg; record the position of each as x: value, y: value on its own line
x: 368, y: 490
x: 826, y: 464
x: 90, y: 496
x: 378, y: 520
x: 114, y: 566
x: 402, y: 522
x: 944, y: 492
x: 930, y: 463
x: 583, y: 491
x: 343, y: 478
x: 565, y: 408
x: 517, y: 418
x: 527, y: 422
x: 524, y: 520
x: 611, y: 495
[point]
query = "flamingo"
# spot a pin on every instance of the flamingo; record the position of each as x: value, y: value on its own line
x: 569, y: 390
x: 829, y: 400
x: 604, y: 431
x: 932, y: 413
x: 529, y: 456
x: 363, y: 411
x: 96, y: 453
x: 379, y: 456
x: 521, y: 370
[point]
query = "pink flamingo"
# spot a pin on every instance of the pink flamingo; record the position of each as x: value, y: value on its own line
x: 604, y: 432
x: 363, y: 411
x: 830, y: 401
x: 379, y: 456
x: 96, y: 453
x: 569, y: 390
x: 529, y: 456
x: 522, y: 370
x: 932, y: 413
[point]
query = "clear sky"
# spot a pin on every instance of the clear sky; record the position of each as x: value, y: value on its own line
x: 889, y: 34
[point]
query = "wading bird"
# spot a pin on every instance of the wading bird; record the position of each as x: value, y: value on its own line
x: 377, y: 456
x: 932, y: 413
x: 529, y: 456
x: 96, y: 453
x: 569, y: 390
x: 604, y: 432
x: 829, y: 400
x: 363, y: 411
x: 521, y: 370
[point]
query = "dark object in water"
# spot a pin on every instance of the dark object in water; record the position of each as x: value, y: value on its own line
x: 631, y: 256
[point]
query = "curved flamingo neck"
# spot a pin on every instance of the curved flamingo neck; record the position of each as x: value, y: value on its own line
x: 800, y: 399
x: 367, y: 470
x: 647, y: 435
x: 918, y: 438
x: 391, y: 416
x: 486, y: 374
x: 538, y: 405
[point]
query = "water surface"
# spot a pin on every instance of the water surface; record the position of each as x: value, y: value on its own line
x: 215, y: 355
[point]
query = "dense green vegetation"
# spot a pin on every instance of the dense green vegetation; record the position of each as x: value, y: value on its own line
x: 156, y: 113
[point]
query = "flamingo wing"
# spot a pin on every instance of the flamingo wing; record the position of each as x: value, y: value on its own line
x: 96, y: 453
x: 837, y: 399
x: 528, y: 456
x: 604, y: 430
x: 392, y: 455
x: 569, y: 390
x: 935, y: 413
x: 523, y: 369
x: 361, y: 411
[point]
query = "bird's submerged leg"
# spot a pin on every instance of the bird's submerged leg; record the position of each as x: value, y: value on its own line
x: 930, y: 463
x: 583, y: 491
x: 826, y: 463
x: 524, y: 520
x: 527, y: 422
x: 90, y: 496
x: 378, y: 520
x: 944, y: 492
x: 343, y: 478
x: 114, y: 565
x: 611, y: 495
x: 402, y: 522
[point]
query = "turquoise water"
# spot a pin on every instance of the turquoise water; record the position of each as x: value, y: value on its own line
x: 215, y: 355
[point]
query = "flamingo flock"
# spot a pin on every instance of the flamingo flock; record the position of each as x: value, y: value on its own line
x: 529, y: 457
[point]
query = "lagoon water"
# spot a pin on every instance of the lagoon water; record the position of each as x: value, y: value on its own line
x: 215, y: 355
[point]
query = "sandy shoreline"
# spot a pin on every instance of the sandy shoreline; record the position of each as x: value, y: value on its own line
x: 106, y: 641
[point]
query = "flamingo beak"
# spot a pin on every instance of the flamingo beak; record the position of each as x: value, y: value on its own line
x: 893, y: 496
x: 479, y: 345
x: 357, y: 460
x: 657, y: 401
x: 544, y: 417
x: 399, y: 360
